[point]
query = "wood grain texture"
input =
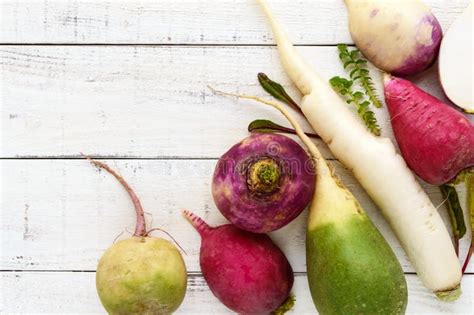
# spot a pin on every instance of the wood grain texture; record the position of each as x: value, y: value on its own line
x: 230, y: 22
x: 81, y: 298
x: 63, y: 214
x: 113, y: 101
x: 142, y: 96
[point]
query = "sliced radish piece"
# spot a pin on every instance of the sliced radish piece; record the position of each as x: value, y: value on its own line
x: 455, y: 62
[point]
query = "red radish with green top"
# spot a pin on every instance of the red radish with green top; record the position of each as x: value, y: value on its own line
x: 247, y: 272
x: 263, y: 182
x: 401, y: 37
x: 141, y: 274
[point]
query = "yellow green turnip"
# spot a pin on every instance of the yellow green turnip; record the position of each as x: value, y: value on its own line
x: 142, y: 274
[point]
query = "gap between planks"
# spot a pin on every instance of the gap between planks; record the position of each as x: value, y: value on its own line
x: 169, y: 45
x: 123, y: 158
x: 189, y: 273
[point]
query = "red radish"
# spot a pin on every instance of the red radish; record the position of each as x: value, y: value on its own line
x: 245, y: 271
x: 436, y: 140
x: 263, y: 182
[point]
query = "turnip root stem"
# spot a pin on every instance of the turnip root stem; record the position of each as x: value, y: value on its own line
x: 198, y: 223
x: 140, y: 228
x: 313, y: 150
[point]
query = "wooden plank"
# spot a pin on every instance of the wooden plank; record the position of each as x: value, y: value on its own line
x: 63, y: 214
x: 115, y: 101
x: 182, y: 22
x: 38, y: 288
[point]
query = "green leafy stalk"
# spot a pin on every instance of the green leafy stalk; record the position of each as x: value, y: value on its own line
x: 455, y: 212
x: 277, y: 91
x: 469, y: 180
x: 344, y: 87
x: 268, y: 126
x: 358, y: 72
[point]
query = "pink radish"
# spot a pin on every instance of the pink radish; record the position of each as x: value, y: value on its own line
x: 245, y: 271
x: 436, y: 140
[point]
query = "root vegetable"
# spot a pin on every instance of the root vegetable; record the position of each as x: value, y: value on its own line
x: 436, y: 141
x: 263, y: 182
x: 380, y: 170
x: 402, y: 37
x: 351, y: 268
x: 142, y: 274
x: 456, y: 69
x: 247, y: 272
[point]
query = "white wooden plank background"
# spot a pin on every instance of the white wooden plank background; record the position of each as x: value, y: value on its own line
x: 132, y: 101
x: 38, y: 289
x: 229, y: 22
x: 62, y: 214
x: 130, y: 86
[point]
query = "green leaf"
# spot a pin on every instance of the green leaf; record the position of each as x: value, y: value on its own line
x: 358, y: 95
x: 351, y: 74
x: 347, y: 63
x: 365, y: 104
x: 342, y: 48
x: 277, y: 91
x: 454, y: 210
x: 268, y: 126
x: 356, y: 65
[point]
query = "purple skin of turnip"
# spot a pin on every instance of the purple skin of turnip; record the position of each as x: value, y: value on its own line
x: 263, y: 182
x: 247, y: 272
x: 400, y: 37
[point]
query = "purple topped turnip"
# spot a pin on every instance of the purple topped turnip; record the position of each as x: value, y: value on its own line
x: 401, y: 37
x: 263, y: 182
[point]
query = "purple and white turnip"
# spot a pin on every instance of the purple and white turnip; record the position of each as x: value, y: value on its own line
x: 141, y: 274
x: 402, y: 37
x: 263, y: 182
x: 247, y: 272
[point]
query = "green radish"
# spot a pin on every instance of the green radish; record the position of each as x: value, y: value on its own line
x: 380, y: 170
x: 351, y: 268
